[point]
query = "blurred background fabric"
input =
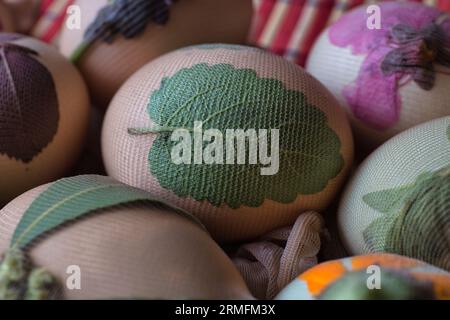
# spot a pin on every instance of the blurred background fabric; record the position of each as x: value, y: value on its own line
x: 52, y: 14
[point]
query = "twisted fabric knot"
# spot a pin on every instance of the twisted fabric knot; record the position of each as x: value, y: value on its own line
x: 272, y: 263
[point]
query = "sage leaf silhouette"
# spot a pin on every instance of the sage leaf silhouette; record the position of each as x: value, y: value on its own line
x: 29, y: 109
x: 71, y: 198
x: 128, y: 18
x: 223, y: 97
x: 415, y: 220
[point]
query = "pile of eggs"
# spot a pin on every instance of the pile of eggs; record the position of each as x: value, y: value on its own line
x: 150, y: 137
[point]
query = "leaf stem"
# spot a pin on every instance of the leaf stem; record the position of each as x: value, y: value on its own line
x: 155, y: 130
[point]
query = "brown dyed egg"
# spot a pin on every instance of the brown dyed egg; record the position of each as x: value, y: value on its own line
x: 24, y: 13
x: 225, y: 93
x: 44, y: 110
x: 117, y: 241
x: 116, y: 38
x: 6, y: 19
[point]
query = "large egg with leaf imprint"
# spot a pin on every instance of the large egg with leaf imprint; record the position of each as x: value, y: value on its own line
x: 44, y: 109
x: 398, y: 201
x: 240, y: 137
x: 370, y: 277
x: 6, y: 19
x: 388, y: 65
x: 91, y: 237
x: 113, y: 39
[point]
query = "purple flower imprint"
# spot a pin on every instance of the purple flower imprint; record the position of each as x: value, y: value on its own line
x: 412, y: 40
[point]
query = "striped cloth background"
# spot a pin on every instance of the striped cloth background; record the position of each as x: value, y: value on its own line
x: 51, y: 19
x: 290, y: 27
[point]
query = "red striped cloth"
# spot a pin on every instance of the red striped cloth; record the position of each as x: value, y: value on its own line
x: 51, y: 18
x: 290, y: 27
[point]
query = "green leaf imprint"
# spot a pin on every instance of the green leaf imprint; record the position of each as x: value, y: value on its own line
x: 416, y: 220
x: 71, y: 198
x: 224, y: 97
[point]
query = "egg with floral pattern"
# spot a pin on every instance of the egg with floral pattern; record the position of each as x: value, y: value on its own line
x: 389, y: 77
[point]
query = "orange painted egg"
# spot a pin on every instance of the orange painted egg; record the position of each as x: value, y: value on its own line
x: 375, y: 276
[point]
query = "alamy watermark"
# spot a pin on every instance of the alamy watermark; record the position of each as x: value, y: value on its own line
x: 73, y: 21
x: 73, y: 281
x: 234, y: 146
x: 374, y: 280
x: 374, y: 17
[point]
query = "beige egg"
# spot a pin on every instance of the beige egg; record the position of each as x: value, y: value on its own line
x: 44, y: 115
x: 398, y: 200
x: 6, y: 19
x: 131, y: 251
x: 229, y: 87
x: 385, y: 83
x: 106, y: 65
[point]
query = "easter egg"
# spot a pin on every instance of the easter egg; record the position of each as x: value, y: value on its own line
x: 44, y: 109
x: 119, y: 241
x: 370, y: 277
x: 389, y: 76
x: 398, y: 201
x: 243, y: 139
x: 6, y: 19
x: 24, y: 13
x: 115, y: 39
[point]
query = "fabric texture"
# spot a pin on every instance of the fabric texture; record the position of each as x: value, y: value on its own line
x: 290, y: 27
x: 132, y: 250
x: 139, y: 122
x: 398, y: 201
x: 278, y: 257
